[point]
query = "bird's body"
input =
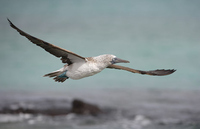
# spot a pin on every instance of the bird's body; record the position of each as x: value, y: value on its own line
x: 83, y: 69
x: 78, y: 67
x: 89, y: 67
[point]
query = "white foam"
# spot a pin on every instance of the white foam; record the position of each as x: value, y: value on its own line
x: 5, y: 118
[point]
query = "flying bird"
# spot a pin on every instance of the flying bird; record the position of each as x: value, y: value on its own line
x: 77, y: 67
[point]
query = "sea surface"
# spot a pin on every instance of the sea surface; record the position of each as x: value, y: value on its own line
x: 155, y: 34
x: 121, y: 109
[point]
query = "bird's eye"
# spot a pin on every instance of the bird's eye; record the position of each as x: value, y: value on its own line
x: 113, y: 60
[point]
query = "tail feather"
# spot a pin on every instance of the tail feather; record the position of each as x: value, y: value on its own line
x: 56, y: 76
x: 60, y: 79
x: 53, y: 74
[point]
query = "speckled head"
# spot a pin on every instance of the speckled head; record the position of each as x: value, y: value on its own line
x: 112, y: 59
x: 118, y: 60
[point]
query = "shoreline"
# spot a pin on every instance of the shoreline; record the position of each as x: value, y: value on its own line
x: 160, y: 107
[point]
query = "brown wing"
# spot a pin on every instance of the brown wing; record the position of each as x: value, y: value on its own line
x: 66, y: 56
x: 158, y: 72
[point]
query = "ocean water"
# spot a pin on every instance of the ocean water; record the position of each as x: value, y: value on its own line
x: 122, y: 109
x: 152, y: 35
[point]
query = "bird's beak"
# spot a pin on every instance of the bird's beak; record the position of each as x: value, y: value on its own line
x: 118, y: 60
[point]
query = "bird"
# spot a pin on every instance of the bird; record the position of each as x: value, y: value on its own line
x: 78, y: 67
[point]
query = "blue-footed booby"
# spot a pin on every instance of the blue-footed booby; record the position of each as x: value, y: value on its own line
x: 77, y: 67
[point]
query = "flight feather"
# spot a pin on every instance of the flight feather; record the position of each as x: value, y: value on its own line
x: 158, y: 72
x: 66, y: 55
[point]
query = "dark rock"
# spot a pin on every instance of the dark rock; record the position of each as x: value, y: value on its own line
x: 81, y: 107
x: 52, y: 108
x: 49, y: 112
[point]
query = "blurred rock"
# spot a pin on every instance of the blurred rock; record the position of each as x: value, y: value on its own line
x: 81, y: 107
x: 52, y: 108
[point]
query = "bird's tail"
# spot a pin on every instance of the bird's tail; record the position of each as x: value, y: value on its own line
x: 58, y: 76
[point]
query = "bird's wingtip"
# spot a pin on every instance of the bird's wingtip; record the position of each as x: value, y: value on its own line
x: 170, y: 71
x: 9, y: 20
x: 11, y: 24
x: 173, y: 70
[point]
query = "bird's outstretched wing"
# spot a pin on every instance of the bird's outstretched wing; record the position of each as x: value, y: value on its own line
x: 66, y: 56
x: 158, y: 72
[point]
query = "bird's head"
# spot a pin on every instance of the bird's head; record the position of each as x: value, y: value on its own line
x: 112, y: 59
x: 107, y: 59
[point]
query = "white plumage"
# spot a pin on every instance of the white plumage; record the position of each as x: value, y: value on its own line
x: 78, y: 67
x: 80, y: 70
x: 89, y: 67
